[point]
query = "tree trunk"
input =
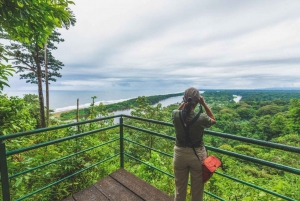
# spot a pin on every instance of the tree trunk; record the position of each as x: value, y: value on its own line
x: 40, y: 86
x: 47, y: 87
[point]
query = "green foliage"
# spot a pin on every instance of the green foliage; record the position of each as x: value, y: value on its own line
x: 33, y: 107
x: 268, y: 110
x: 295, y: 115
x: 5, y: 70
x: 35, y: 20
x: 32, y: 181
x: 15, y: 115
x: 29, y: 61
x: 32, y: 23
x: 27, y: 58
x: 266, y: 95
x: 236, y: 118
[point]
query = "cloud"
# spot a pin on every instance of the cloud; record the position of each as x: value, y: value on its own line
x: 211, y: 44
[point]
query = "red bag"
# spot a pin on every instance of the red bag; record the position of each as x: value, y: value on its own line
x: 210, y: 164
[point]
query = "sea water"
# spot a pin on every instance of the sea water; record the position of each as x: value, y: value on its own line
x: 67, y: 100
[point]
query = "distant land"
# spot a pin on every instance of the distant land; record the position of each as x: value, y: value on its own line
x: 268, y: 89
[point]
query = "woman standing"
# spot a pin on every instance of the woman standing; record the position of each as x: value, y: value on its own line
x: 189, y: 128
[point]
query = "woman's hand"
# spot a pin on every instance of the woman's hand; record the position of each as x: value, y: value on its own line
x: 201, y: 100
x: 207, y: 110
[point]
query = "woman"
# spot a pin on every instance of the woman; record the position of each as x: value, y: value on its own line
x: 185, y: 160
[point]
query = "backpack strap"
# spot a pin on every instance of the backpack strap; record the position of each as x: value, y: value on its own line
x: 193, y: 120
x: 186, y: 128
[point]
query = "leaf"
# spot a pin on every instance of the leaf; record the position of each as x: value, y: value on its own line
x: 18, y: 182
x: 262, y: 194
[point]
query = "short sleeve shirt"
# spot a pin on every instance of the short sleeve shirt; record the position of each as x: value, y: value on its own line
x: 195, y: 132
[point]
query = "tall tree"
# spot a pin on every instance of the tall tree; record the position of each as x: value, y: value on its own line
x: 28, y: 59
x: 32, y: 22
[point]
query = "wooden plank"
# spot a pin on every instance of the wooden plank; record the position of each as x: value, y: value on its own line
x: 140, y: 187
x: 91, y: 193
x: 115, y: 191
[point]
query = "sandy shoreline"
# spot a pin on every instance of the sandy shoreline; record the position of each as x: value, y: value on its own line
x: 57, y: 114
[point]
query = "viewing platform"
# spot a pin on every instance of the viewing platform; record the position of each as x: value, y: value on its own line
x: 120, y: 185
x: 99, y: 160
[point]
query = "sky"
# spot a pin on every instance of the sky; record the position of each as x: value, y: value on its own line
x: 207, y: 44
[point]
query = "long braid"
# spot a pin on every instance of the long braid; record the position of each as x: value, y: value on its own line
x: 187, y: 109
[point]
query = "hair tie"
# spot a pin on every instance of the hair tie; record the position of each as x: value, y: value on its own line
x: 189, y: 99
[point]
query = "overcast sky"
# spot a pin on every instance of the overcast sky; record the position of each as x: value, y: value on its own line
x: 134, y: 44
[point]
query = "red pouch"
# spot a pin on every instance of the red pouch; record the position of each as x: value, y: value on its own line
x: 210, y: 164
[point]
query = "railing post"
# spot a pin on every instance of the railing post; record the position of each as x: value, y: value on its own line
x: 4, y: 173
x: 121, y: 143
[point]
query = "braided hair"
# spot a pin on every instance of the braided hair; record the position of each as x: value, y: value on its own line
x: 187, y: 109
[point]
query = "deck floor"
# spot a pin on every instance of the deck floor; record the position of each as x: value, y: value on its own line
x: 120, y: 185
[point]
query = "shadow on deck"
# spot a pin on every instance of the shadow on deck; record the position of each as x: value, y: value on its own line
x: 120, y: 185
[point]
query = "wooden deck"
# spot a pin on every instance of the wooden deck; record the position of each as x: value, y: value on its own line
x: 120, y: 185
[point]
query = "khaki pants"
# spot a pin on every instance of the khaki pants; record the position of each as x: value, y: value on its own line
x: 185, y: 162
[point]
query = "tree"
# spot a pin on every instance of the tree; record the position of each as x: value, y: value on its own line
x: 295, y: 115
x: 32, y: 23
x: 268, y: 110
x: 92, y: 107
x: 279, y: 125
x: 245, y: 113
x: 29, y: 60
x: 33, y: 106
x: 15, y: 115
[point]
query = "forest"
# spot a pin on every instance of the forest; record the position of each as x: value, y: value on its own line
x: 272, y: 116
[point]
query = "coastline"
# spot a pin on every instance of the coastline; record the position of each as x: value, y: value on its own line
x: 115, y: 106
x: 165, y: 102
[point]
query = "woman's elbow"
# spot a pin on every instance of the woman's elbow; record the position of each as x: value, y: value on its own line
x: 213, y: 121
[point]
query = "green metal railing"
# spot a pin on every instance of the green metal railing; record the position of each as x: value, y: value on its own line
x: 4, y: 153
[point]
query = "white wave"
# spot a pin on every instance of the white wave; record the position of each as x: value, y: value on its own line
x: 105, y: 102
x: 86, y: 105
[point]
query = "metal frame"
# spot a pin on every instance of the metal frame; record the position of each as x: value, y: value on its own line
x: 4, y: 153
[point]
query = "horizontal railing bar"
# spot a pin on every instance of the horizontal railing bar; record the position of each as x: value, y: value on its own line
x: 260, y: 161
x: 254, y: 186
x: 62, y: 158
x: 39, y: 130
x: 150, y: 132
x: 256, y: 160
x: 230, y: 136
x: 166, y: 173
x: 224, y: 135
x: 65, y: 178
x: 16, y: 151
x: 255, y: 141
x: 213, y: 195
x: 149, y: 120
x: 161, y: 152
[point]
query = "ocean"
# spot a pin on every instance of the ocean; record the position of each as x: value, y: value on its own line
x: 66, y: 100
